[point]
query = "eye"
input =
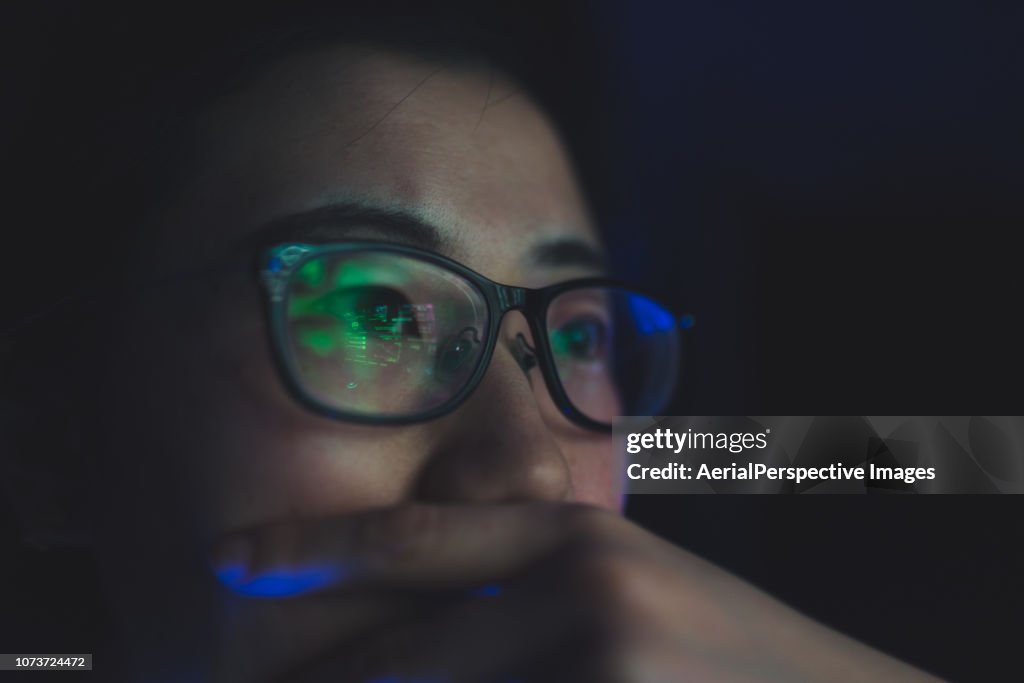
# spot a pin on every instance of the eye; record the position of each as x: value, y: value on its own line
x: 455, y: 353
x: 580, y: 339
x: 385, y: 311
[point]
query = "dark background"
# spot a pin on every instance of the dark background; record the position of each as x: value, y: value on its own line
x: 840, y: 185
x: 834, y: 191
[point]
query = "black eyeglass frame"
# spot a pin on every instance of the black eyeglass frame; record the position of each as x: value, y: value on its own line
x: 282, y: 261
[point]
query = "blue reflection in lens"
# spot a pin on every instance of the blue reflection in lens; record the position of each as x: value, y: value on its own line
x: 687, y: 321
x: 280, y: 583
x: 649, y: 316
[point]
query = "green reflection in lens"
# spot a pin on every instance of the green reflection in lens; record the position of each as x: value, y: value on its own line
x: 354, y: 274
x: 360, y: 308
x: 358, y: 315
x: 365, y: 327
x: 320, y: 342
x: 312, y: 273
x: 576, y: 340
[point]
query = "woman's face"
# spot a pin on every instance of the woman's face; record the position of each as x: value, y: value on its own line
x: 201, y: 436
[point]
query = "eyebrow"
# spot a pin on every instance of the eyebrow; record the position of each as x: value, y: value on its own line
x: 568, y: 252
x: 342, y: 221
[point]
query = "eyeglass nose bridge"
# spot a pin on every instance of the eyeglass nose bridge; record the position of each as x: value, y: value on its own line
x: 532, y: 304
x: 529, y: 302
x: 526, y: 301
x: 510, y: 297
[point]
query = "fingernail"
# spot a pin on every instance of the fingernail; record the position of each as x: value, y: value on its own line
x: 231, y: 560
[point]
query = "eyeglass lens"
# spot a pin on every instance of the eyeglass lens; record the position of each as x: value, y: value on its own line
x: 616, y: 351
x: 390, y: 335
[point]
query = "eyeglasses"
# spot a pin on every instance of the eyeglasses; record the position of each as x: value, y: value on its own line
x: 387, y: 334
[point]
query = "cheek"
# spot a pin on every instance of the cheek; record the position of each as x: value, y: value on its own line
x: 596, y: 471
x: 202, y: 438
x: 596, y: 467
x: 234, y: 448
x: 264, y: 456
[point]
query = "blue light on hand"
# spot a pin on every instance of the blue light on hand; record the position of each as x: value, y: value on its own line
x: 489, y: 591
x: 280, y: 583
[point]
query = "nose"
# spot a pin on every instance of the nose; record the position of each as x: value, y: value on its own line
x: 498, y: 446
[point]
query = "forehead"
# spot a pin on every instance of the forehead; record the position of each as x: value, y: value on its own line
x: 459, y: 147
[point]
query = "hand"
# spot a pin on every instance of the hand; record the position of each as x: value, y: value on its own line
x: 572, y: 593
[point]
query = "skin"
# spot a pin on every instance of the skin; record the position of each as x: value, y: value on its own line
x: 229, y: 479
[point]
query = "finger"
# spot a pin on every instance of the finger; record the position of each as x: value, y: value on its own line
x: 279, y: 632
x: 412, y: 546
x: 489, y: 639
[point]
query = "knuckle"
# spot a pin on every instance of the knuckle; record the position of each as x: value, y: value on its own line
x: 403, y: 530
x: 611, y: 658
x: 615, y: 594
x: 610, y: 587
x: 587, y: 522
x: 600, y: 571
